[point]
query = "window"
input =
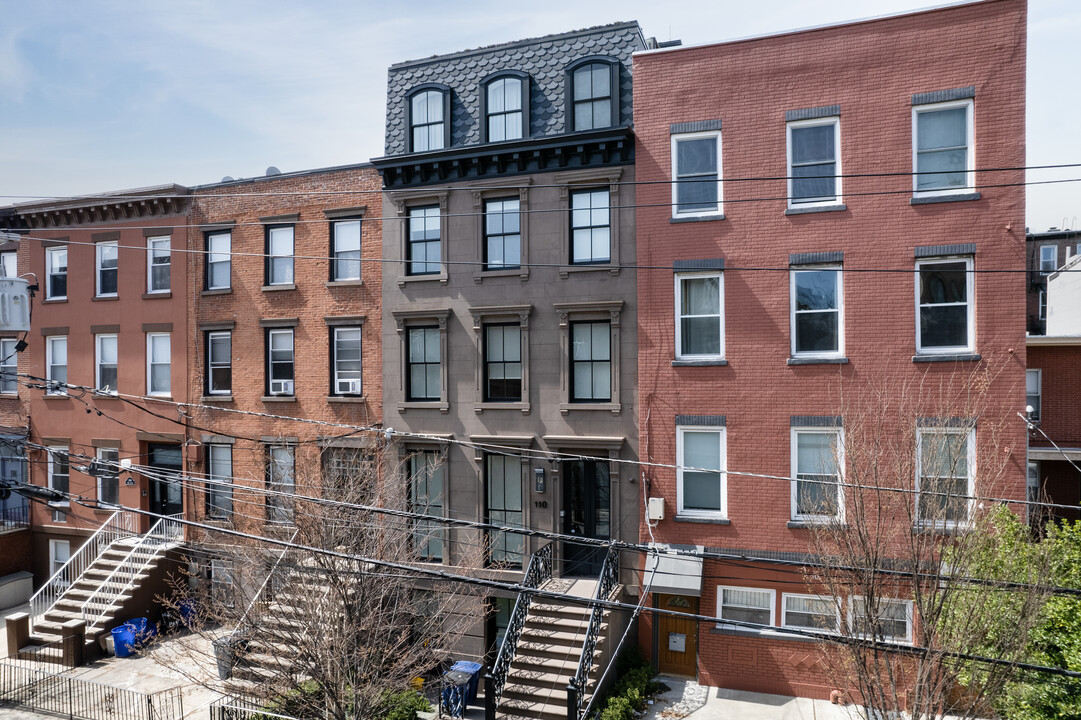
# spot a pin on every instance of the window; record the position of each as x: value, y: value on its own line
x: 109, y: 476
x: 590, y: 227
x: 9, y: 367
x: 219, y: 362
x: 279, y: 262
x: 816, y: 462
x: 503, y: 363
x: 594, y: 99
x: 218, y: 260
x: 423, y: 381
x: 59, y: 554
x: 56, y: 364
x: 504, y: 101
x: 700, y: 321
x: 56, y: 271
x: 219, y: 486
x: 59, y: 472
x: 696, y: 173
x: 942, y: 147
x: 1033, y: 380
x: 810, y: 612
x: 502, y: 234
x: 157, y: 264
x: 817, y: 318
x: 1042, y: 304
x: 745, y: 605
x: 591, y: 362
x: 813, y: 166
x: 221, y: 582
x: 501, y: 609
x: 428, y: 119
x: 9, y: 264
x: 701, y: 486
x: 107, y: 268
x: 281, y: 482
x: 945, y: 320
x: 504, y: 508
x: 888, y: 620
x: 158, y: 365
x: 347, y: 366
x: 105, y: 367
x: 1048, y: 259
x: 280, y: 369
x: 426, y: 498
x: 424, y: 247
x: 945, y: 460
x: 345, y: 252
x: 348, y: 474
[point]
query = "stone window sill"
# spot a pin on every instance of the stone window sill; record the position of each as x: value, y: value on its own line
x: 699, y: 363
x: 104, y: 298
x: 817, y: 361
x: 219, y: 291
x: 216, y: 398
x: 962, y: 357
x: 696, y: 218
x: 432, y: 277
x: 443, y: 407
x: 55, y: 396
x: 279, y: 398
x: 762, y: 634
x: 346, y: 399
x: 613, y: 408
x: 702, y: 520
x: 54, y: 300
x: 566, y: 270
x: 344, y: 283
x: 279, y: 288
x: 522, y: 272
x: 157, y: 295
x: 797, y: 210
x: 523, y: 407
x: 956, y: 197
x: 808, y: 524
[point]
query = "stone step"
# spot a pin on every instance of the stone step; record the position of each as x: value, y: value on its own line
x: 564, y: 667
x: 557, y: 624
x: 528, y: 703
x: 554, y: 636
x: 570, y: 612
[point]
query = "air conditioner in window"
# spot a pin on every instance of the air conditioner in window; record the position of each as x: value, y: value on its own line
x: 349, y: 387
x: 281, y: 387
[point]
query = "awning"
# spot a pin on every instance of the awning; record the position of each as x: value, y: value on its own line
x: 1046, y: 454
x: 676, y: 573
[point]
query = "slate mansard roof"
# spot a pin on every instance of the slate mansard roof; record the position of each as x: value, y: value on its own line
x: 544, y: 59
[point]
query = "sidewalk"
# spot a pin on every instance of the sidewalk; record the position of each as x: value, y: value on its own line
x: 688, y: 699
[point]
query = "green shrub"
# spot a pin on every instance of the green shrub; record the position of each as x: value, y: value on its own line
x: 618, y: 708
x: 403, y: 705
x: 630, y: 691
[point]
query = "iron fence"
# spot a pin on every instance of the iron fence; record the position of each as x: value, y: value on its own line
x: 234, y: 708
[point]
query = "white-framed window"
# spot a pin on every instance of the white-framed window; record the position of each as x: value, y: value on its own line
x: 817, y: 459
x: 345, y: 249
x: 59, y: 472
x: 108, y: 476
x: 219, y: 363
x: 221, y: 582
x: 281, y: 479
x: 158, y: 364
x: 9, y: 264
x: 107, y: 254
x: 348, y: 374
x: 158, y: 261
x: 59, y: 554
x: 279, y: 250
x: 745, y: 605
x: 700, y: 316
x: 218, y: 260
x: 702, y: 481
x: 281, y: 370
x: 814, y: 162
x: 1033, y: 393
x: 945, y: 461
x: 810, y: 612
x: 105, y: 366
x: 945, y: 321
x: 942, y: 148
x: 56, y: 273
x: 888, y: 620
x: 9, y: 366
x: 426, y: 479
x: 591, y: 227
x: 817, y: 312
x: 219, y: 486
x: 1048, y: 259
x: 56, y: 364
x: 1042, y: 304
x: 696, y: 174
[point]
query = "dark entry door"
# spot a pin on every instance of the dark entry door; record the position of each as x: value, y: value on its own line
x: 166, y: 493
x: 587, y: 512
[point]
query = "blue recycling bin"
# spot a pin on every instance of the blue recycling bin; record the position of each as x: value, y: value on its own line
x: 129, y: 636
x: 455, y: 688
x: 473, y: 669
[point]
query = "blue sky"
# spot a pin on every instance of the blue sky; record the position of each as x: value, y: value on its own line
x: 98, y: 96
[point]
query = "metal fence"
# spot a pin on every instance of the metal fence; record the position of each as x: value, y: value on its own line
x: 31, y: 688
x: 15, y: 515
x: 232, y: 708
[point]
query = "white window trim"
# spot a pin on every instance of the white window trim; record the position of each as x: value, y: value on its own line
x: 58, y: 390
x: 334, y: 357
x: 816, y: 122
x: 840, y: 351
x: 97, y: 362
x: 271, y: 256
x: 680, y: 355
x: 218, y: 484
x: 723, y: 440
x: 11, y: 257
x: 52, y: 451
x: 11, y: 360
x: 228, y: 261
x: 1053, y: 258
x: 803, y: 596
x: 209, y: 365
x: 150, y: 363
x: 53, y: 570
x: 98, y: 269
x: 970, y: 452
x: 907, y: 639
x: 971, y: 154
x: 1038, y: 374
x: 49, y: 252
x: 719, y: 210
x: 150, y: 242
x: 334, y: 225
x: 970, y: 315
x: 839, y: 433
x: 724, y: 625
x: 98, y: 454
x: 270, y: 362
x: 1041, y: 304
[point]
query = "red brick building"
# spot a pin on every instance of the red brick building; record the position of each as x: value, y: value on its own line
x: 815, y: 195
x: 1054, y: 393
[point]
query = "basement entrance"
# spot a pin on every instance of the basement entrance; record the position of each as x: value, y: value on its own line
x: 677, y: 638
x: 587, y: 512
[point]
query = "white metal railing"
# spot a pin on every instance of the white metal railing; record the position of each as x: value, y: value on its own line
x: 259, y: 593
x: 120, y: 524
x: 166, y: 532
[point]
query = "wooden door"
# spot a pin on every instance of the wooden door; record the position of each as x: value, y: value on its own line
x: 677, y: 638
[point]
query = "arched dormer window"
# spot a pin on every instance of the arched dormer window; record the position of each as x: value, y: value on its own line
x: 428, y: 111
x: 505, y: 106
x: 594, y: 90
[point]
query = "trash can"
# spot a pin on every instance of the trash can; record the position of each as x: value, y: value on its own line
x: 123, y: 640
x: 187, y: 613
x: 225, y: 655
x: 473, y: 669
x: 455, y: 687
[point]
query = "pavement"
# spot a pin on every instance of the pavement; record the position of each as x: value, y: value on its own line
x: 687, y: 699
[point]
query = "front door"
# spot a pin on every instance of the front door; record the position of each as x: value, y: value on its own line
x: 587, y: 512
x: 677, y: 638
x: 166, y: 492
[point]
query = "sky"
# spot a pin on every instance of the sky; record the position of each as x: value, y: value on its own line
x: 100, y: 95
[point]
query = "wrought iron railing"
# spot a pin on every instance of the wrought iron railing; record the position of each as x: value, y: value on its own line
x: 234, y: 708
x: 15, y: 517
x: 606, y: 583
x: 537, y: 573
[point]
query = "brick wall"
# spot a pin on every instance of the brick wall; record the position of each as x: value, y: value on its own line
x: 1060, y: 394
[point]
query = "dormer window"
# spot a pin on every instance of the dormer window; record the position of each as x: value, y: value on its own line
x: 595, y: 87
x: 506, y: 102
x: 429, y: 119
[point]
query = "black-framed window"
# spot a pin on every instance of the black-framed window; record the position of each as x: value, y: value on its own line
x: 219, y: 363
x: 504, y: 506
x: 591, y: 361
x: 426, y: 480
x: 281, y: 481
x: 346, y: 360
x: 280, y: 367
x: 279, y: 255
x: 502, y: 234
x: 422, y: 363
x: 429, y: 119
x: 505, y: 108
x: 503, y: 362
x: 424, y: 246
x: 594, y: 88
x: 345, y: 249
x: 591, y: 227
x: 218, y: 260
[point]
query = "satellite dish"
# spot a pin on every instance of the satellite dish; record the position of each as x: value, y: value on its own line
x: 227, y: 178
x: 273, y: 171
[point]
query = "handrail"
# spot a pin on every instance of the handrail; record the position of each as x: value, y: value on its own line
x: 259, y: 592
x: 606, y: 583
x: 536, y: 574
